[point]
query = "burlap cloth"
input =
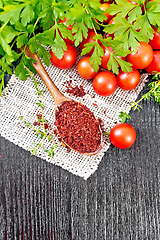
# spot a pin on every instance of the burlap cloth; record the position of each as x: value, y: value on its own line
x: 21, y: 96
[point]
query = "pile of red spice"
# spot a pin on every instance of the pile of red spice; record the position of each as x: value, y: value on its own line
x: 78, y: 127
x: 76, y: 91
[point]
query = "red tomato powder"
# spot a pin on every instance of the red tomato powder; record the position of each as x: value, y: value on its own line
x: 78, y: 127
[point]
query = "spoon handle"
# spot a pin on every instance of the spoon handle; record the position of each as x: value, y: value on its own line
x: 56, y: 94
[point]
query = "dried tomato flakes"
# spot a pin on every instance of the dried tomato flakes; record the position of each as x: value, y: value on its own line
x: 78, y: 127
x: 76, y: 91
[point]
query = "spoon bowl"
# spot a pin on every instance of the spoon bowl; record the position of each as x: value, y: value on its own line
x: 58, y: 97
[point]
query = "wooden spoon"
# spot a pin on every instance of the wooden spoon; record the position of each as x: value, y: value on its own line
x: 58, y: 97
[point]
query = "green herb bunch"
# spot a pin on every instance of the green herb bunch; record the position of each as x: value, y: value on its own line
x: 37, y: 24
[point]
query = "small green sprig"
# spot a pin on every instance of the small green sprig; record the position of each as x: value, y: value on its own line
x: 153, y: 92
x: 42, y: 134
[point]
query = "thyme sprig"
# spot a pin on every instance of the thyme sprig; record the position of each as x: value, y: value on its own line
x: 42, y: 134
x: 153, y: 92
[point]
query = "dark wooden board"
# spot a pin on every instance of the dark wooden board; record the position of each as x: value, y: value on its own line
x: 120, y: 201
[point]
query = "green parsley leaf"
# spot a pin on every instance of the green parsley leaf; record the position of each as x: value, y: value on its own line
x: 59, y: 45
x: 21, y: 71
x: 11, y: 12
x: 33, y: 44
x: 22, y: 39
x: 6, y: 47
x: 96, y: 58
x: 44, y: 54
x: 27, y: 14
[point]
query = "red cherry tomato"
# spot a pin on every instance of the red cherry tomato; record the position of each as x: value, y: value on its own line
x: 85, y: 70
x: 123, y: 135
x: 68, y: 59
x: 128, y: 80
x: 111, y: 21
x: 106, y: 57
x: 142, y: 58
x: 155, y: 64
x: 155, y: 42
x: 103, y: 7
x: 105, y: 83
x: 89, y: 39
x: 64, y: 21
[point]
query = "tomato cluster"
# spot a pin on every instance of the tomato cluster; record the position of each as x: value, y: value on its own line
x: 104, y: 81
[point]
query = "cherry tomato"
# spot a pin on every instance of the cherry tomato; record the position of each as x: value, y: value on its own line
x: 155, y: 64
x: 85, y: 70
x: 68, y: 59
x: 105, y: 83
x: 64, y: 21
x: 155, y: 42
x: 123, y: 135
x: 103, y: 7
x: 89, y: 39
x: 106, y: 57
x: 142, y: 58
x: 111, y: 21
x: 128, y: 80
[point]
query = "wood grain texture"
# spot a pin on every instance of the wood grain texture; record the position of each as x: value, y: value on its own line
x: 120, y: 201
